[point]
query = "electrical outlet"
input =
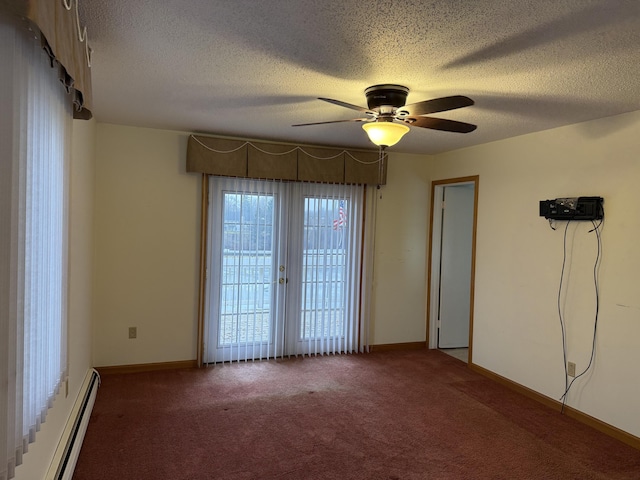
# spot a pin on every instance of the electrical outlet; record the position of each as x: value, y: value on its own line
x: 133, y: 332
x: 571, y: 369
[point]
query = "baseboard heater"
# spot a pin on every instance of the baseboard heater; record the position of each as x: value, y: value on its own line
x: 66, y: 456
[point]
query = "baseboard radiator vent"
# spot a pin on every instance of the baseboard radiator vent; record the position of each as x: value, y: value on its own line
x: 66, y: 456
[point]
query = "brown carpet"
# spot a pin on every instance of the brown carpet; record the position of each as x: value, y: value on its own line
x: 388, y: 416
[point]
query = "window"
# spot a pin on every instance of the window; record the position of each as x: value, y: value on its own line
x: 35, y: 122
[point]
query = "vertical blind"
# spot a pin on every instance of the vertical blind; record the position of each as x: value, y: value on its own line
x: 285, y: 272
x: 35, y: 126
x: 328, y: 253
x: 245, y: 302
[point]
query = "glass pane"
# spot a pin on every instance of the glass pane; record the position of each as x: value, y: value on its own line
x: 247, y: 269
x: 324, y: 268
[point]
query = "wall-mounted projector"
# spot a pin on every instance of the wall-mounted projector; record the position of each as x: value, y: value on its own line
x: 572, y: 208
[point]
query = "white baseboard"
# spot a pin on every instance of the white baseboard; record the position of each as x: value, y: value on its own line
x: 66, y: 455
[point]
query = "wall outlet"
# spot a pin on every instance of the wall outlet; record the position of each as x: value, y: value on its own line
x: 571, y: 369
x: 133, y: 332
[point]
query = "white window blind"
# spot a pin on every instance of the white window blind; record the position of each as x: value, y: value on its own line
x: 286, y: 273
x: 328, y: 246
x: 35, y: 126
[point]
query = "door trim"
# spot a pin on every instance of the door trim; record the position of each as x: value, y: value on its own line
x: 438, y: 185
x: 202, y: 273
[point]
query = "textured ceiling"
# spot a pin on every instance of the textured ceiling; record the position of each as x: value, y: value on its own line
x: 252, y: 68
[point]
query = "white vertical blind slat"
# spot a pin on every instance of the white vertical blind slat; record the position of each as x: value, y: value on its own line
x: 276, y: 291
x: 324, y: 257
x: 240, y: 293
x: 325, y: 306
x: 313, y: 346
x: 350, y: 301
x: 344, y: 283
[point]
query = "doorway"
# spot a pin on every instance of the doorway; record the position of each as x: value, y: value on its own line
x: 451, y: 266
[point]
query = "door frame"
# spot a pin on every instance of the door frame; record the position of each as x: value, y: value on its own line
x: 433, y: 274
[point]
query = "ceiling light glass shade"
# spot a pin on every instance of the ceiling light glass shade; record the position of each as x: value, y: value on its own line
x: 385, y: 134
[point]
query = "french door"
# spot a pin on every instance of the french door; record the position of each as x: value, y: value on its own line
x: 284, y: 269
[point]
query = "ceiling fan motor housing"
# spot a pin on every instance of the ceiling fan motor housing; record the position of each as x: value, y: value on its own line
x: 386, y: 95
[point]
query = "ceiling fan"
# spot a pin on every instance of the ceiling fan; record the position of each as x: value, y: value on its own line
x: 387, y: 118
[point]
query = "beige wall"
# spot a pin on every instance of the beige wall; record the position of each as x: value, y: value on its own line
x: 38, y: 459
x: 147, y: 238
x: 146, y: 247
x: 401, y: 239
x: 519, y: 258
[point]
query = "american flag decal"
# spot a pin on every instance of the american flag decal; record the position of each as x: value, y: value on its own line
x: 342, y: 217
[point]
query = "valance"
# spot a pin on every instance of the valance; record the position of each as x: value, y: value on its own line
x: 58, y: 24
x: 265, y: 160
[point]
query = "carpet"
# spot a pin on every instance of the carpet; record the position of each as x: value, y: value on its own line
x: 391, y: 416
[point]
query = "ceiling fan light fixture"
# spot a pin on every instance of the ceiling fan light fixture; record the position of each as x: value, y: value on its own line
x: 385, y: 134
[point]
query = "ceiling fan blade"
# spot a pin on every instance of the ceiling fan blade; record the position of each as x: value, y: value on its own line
x: 333, y: 121
x: 436, y: 105
x: 441, y: 124
x: 347, y: 105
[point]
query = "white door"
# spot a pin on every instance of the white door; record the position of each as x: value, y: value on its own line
x: 247, y: 252
x: 324, y: 259
x: 284, y: 263
x: 455, y: 266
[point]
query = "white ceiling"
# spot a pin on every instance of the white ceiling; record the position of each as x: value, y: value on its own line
x: 252, y: 68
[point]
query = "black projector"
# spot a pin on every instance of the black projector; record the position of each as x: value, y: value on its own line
x: 572, y: 208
